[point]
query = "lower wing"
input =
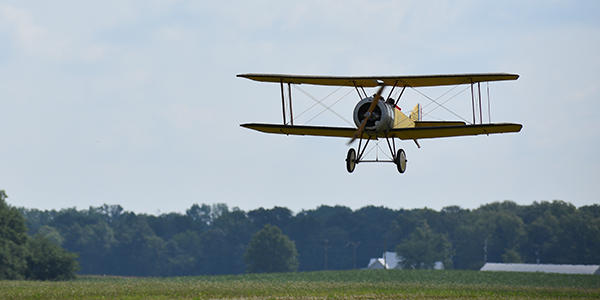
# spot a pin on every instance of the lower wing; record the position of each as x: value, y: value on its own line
x: 412, y: 133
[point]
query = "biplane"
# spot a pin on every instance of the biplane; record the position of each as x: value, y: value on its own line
x: 378, y: 117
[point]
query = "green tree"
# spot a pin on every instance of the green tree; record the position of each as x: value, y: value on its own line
x: 507, y: 232
x: 51, y: 234
x: 154, y: 260
x: 492, y: 233
x: 424, y: 248
x: 278, y: 216
x: 32, y: 258
x: 13, y: 241
x: 47, y: 261
x: 271, y: 251
x: 224, y: 245
x: 184, y: 254
x: 511, y: 256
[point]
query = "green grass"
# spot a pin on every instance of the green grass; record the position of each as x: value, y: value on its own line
x: 360, y: 284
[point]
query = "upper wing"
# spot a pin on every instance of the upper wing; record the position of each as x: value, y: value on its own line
x: 413, y: 133
x: 373, y: 81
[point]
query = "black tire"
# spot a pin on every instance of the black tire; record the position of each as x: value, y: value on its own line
x: 401, y: 161
x: 351, y: 160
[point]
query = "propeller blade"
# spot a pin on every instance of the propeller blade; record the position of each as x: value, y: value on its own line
x: 374, y: 103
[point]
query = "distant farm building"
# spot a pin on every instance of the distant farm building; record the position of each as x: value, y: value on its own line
x: 545, y: 268
x: 391, y: 261
x: 388, y: 261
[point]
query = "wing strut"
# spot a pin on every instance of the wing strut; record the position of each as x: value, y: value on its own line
x: 282, y: 101
x: 476, y: 103
x: 358, y: 91
x: 290, y: 98
x: 480, y: 108
x: 398, y: 100
x: 473, y: 101
x: 390, y: 95
x: 283, y: 104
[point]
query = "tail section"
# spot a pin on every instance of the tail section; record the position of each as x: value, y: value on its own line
x: 403, y: 121
x: 416, y: 114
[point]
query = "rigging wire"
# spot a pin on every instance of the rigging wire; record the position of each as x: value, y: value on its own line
x: 460, y: 92
x: 322, y: 104
x: 334, y: 103
x: 444, y: 94
x: 439, y: 105
x: 375, y: 147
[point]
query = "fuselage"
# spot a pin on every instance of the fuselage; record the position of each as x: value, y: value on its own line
x: 385, y: 116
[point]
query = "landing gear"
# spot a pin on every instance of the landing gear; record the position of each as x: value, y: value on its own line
x: 401, y: 161
x: 351, y: 160
x: 396, y: 157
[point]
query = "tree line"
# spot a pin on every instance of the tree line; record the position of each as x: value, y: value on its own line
x: 213, y: 239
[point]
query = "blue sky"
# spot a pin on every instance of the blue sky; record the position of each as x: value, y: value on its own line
x: 137, y: 103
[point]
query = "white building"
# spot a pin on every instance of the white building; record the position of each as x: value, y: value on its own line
x: 390, y: 260
x: 545, y: 268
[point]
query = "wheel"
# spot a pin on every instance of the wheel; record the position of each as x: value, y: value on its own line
x: 401, y: 161
x: 351, y: 160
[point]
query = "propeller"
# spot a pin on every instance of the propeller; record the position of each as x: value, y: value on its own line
x: 368, y: 114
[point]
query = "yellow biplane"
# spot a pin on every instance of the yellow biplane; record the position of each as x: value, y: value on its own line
x: 378, y: 117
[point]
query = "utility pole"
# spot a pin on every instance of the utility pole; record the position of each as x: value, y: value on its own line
x: 485, y: 251
x: 326, y: 241
x: 354, y: 245
x: 384, y: 252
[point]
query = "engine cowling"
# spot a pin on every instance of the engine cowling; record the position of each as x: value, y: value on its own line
x: 382, y: 118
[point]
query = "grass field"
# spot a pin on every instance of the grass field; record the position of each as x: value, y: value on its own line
x: 359, y: 284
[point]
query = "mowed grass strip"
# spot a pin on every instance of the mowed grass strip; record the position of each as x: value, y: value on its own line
x: 360, y: 284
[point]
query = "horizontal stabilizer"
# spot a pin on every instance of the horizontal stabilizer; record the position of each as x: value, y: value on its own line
x: 438, y: 123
